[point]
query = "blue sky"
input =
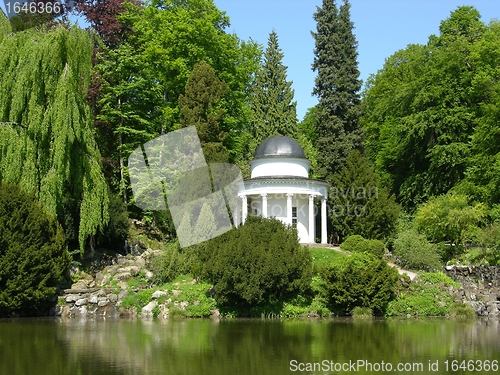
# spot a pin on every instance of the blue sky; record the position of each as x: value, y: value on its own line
x: 382, y: 27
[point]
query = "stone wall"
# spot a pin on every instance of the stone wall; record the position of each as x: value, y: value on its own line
x: 480, y: 287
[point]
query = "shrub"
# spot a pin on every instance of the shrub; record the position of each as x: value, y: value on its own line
x: 359, y: 244
x: 428, y: 296
x: 116, y: 231
x: 361, y: 312
x: 33, y: 253
x: 167, y: 266
x: 257, y: 264
x: 415, y: 252
x: 462, y: 311
x: 362, y: 280
x: 137, y: 299
x: 449, y: 218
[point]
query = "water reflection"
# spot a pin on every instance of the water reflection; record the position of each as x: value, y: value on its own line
x: 242, y: 347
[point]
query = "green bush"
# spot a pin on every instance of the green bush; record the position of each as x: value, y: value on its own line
x: 170, y: 264
x: 450, y: 218
x: 137, y: 299
x: 33, y: 254
x: 116, y: 231
x: 462, y: 311
x: 415, y: 252
x: 362, y: 280
x: 361, y: 312
x: 358, y: 244
x: 428, y: 296
x: 260, y: 263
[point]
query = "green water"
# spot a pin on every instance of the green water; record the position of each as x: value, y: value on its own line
x: 243, y: 347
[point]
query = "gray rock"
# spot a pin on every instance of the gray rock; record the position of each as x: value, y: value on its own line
x: 102, y: 303
x: 158, y: 294
x: 123, y: 276
x: 133, y: 270
x: 82, y: 311
x: 105, y: 279
x: 113, y: 298
x: 72, y: 298
x: 176, y: 292
x: 81, y: 302
x: 147, y: 311
x: 94, y: 299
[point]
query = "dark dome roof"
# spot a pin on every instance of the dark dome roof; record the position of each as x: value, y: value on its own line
x: 279, y: 146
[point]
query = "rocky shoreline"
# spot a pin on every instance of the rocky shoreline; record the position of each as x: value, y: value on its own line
x: 101, y: 295
x: 480, y: 288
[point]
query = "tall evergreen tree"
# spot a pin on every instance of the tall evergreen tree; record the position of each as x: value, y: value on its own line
x: 201, y: 106
x: 274, y: 110
x: 337, y: 86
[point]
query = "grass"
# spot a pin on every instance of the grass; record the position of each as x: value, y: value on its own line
x: 199, y: 302
x: 426, y: 297
x: 476, y: 256
x: 324, y: 257
x: 462, y: 311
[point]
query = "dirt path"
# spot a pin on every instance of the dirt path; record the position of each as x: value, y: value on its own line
x: 401, y: 271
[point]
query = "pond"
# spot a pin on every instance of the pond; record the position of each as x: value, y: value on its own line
x: 244, y: 347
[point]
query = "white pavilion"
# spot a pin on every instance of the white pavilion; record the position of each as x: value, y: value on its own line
x: 280, y: 187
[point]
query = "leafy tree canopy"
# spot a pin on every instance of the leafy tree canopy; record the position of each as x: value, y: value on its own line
x: 46, y: 140
x: 431, y: 113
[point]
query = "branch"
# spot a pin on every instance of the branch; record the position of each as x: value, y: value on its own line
x: 13, y: 123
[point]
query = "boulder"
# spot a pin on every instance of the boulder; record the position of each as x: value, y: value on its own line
x: 147, y: 311
x: 72, y: 298
x: 158, y: 294
x: 81, y: 302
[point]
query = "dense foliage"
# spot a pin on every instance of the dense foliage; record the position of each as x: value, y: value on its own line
x: 415, y: 252
x: 361, y: 280
x: 431, y: 120
x: 359, y: 204
x: 274, y: 111
x: 46, y: 140
x: 33, y: 253
x: 259, y: 263
x: 428, y: 296
x: 358, y: 244
x: 337, y: 87
x: 450, y: 218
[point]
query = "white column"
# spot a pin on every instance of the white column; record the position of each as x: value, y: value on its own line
x: 324, y: 235
x: 235, y: 217
x: 244, y: 208
x: 264, y: 205
x: 311, y: 219
x: 289, y: 208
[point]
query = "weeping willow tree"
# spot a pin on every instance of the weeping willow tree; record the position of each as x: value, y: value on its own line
x: 46, y: 140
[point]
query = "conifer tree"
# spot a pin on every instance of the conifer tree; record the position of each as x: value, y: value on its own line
x: 359, y: 204
x: 201, y: 106
x: 274, y: 110
x: 337, y: 87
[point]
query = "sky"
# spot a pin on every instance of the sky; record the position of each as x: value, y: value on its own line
x: 382, y: 27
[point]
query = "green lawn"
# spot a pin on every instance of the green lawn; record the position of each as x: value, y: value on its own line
x: 323, y: 257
